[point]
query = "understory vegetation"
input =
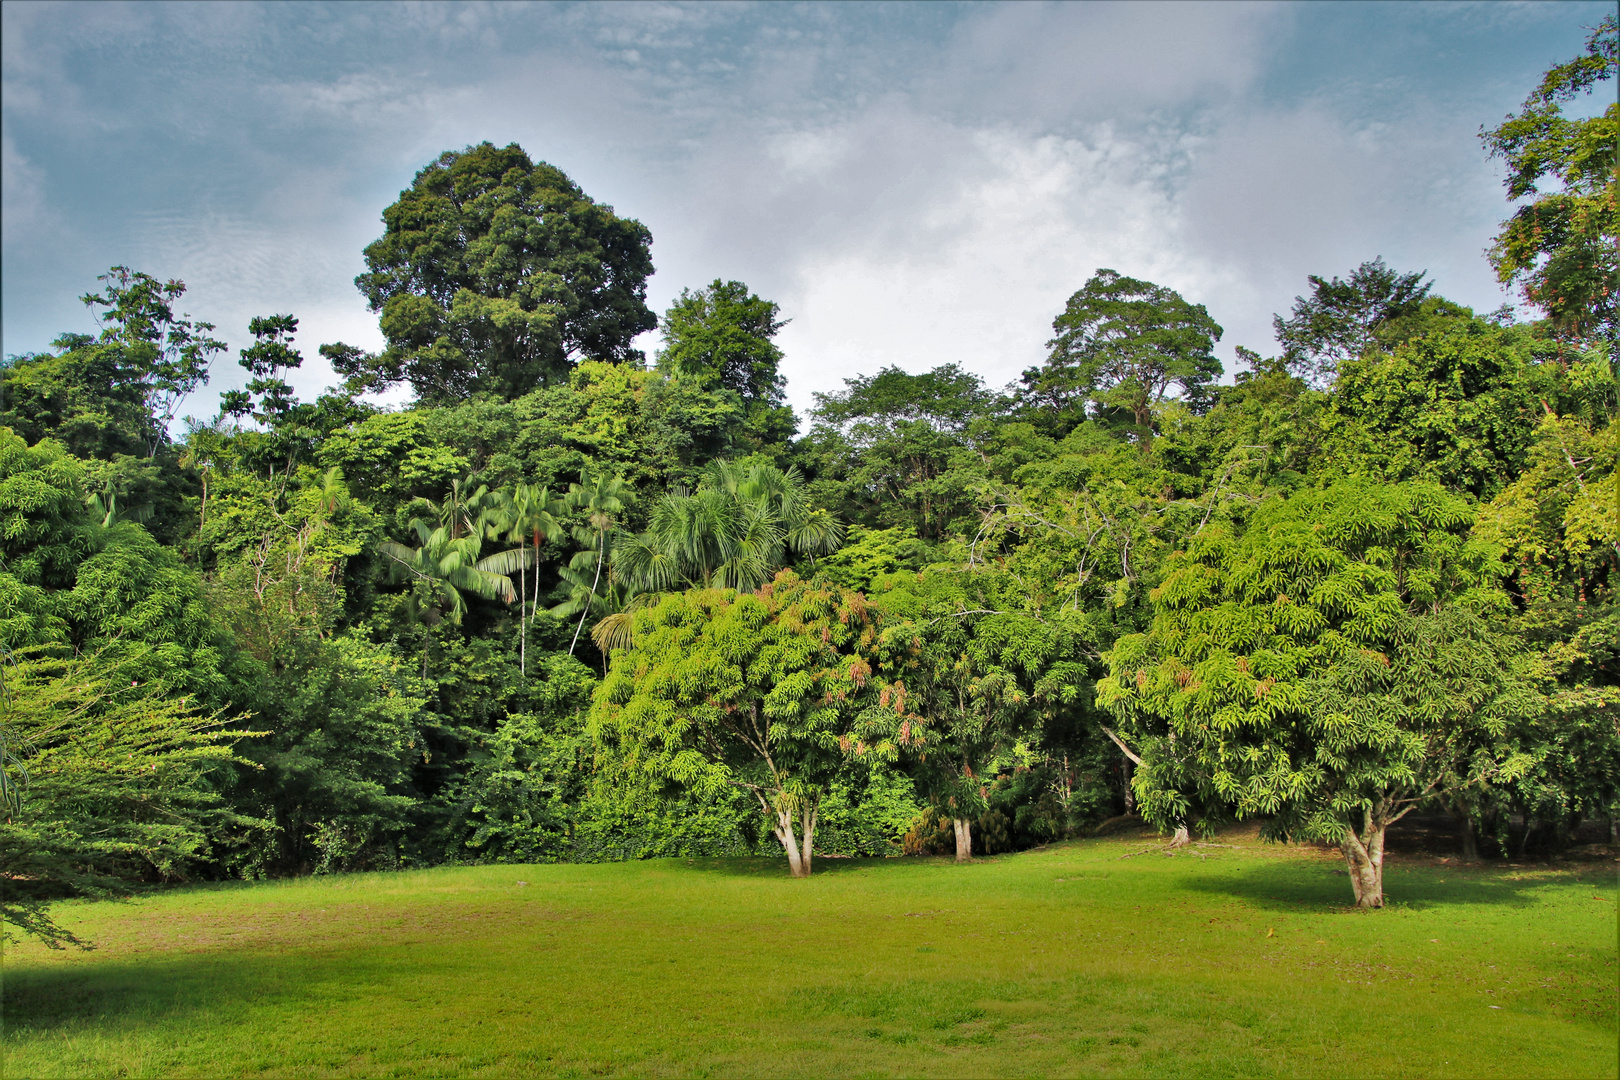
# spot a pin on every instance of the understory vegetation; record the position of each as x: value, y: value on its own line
x: 574, y: 604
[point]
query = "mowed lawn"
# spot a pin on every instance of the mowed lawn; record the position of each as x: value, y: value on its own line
x: 1094, y: 957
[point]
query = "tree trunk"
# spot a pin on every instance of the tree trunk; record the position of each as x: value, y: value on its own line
x: 1182, y: 838
x: 1470, y: 838
x: 790, y: 843
x: 523, y: 627
x: 1364, y: 859
x: 1130, y: 796
x: 964, y: 839
x: 807, y: 822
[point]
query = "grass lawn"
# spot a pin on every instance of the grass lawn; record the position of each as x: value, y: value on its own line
x: 1080, y: 958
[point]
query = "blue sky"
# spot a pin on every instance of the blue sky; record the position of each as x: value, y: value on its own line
x: 914, y: 184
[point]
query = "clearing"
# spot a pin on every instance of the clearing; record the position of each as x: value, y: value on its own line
x: 1094, y: 957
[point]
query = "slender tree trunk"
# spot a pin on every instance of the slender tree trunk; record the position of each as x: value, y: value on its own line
x: 1470, y: 838
x: 784, y: 833
x: 807, y: 820
x: 1364, y: 860
x: 523, y: 626
x: 600, y: 555
x: 1130, y: 796
x: 964, y: 839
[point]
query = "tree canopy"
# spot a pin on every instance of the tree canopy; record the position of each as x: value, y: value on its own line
x: 496, y: 274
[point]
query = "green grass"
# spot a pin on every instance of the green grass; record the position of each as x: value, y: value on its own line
x: 1073, y: 959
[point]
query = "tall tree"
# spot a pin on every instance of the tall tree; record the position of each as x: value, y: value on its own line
x: 270, y: 355
x: 735, y: 531
x: 1560, y: 245
x: 602, y: 500
x: 967, y: 686
x: 165, y: 355
x: 905, y: 449
x: 528, y: 516
x: 724, y: 336
x: 1342, y: 319
x: 1121, y: 343
x: 498, y: 274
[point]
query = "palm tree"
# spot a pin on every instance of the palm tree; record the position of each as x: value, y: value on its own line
x: 447, y: 563
x: 527, y: 516
x: 603, y: 500
x: 733, y: 532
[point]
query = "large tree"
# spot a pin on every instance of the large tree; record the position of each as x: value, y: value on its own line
x: 1560, y: 244
x: 1121, y: 343
x: 753, y: 691
x: 1329, y: 670
x: 498, y: 274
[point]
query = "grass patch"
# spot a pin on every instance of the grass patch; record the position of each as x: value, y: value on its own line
x: 1069, y: 960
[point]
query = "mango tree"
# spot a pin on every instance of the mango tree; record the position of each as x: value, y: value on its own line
x: 1329, y: 670
x: 758, y: 691
x: 971, y: 680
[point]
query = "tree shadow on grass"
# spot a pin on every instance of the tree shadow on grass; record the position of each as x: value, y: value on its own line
x: 135, y: 994
x: 1281, y: 886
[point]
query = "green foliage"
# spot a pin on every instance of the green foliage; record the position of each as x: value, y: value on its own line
x: 114, y: 784
x: 758, y: 692
x: 1329, y: 669
x: 496, y: 274
x: 899, y: 450
x: 78, y: 397
x: 1456, y: 406
x: 270, y: 355
x: 1343, y: 319
x: 159, y: 356
x: 1559, y: 245
x: 741, y: 525
x: 722, y: 336
x: 524, y: 788
x: 1120, y: 344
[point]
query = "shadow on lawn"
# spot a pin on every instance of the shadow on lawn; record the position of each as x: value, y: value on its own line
x: 136, y: 994
x: 1284, y: 887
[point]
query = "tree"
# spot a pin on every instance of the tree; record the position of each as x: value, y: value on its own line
x: 735, y: 531
x: 602, y: 499
x: 1344, y: 319
x: 968, y: 689
x: 1560, y: 245
x: 897, y: 448
x: 270, y: 355
x: 723, y: 336
x: 528, y: 516
x: 1456, y: 405
x: 113, y: 784
x: 445, y: 565
x: 1330, y: 669
x: 753, y: 691
x: 164, y: 355
x: 79, y: 396
x: 1121, y: 343
x: 496, y: 274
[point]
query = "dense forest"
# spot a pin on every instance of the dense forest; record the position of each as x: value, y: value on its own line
x: 577, y: 603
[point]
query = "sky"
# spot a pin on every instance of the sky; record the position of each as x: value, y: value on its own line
x: 914, y: 184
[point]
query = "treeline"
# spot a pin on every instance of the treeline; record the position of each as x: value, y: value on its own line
x: 576, y: 604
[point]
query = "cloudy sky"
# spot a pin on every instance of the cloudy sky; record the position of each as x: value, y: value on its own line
x: 915, y: 184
